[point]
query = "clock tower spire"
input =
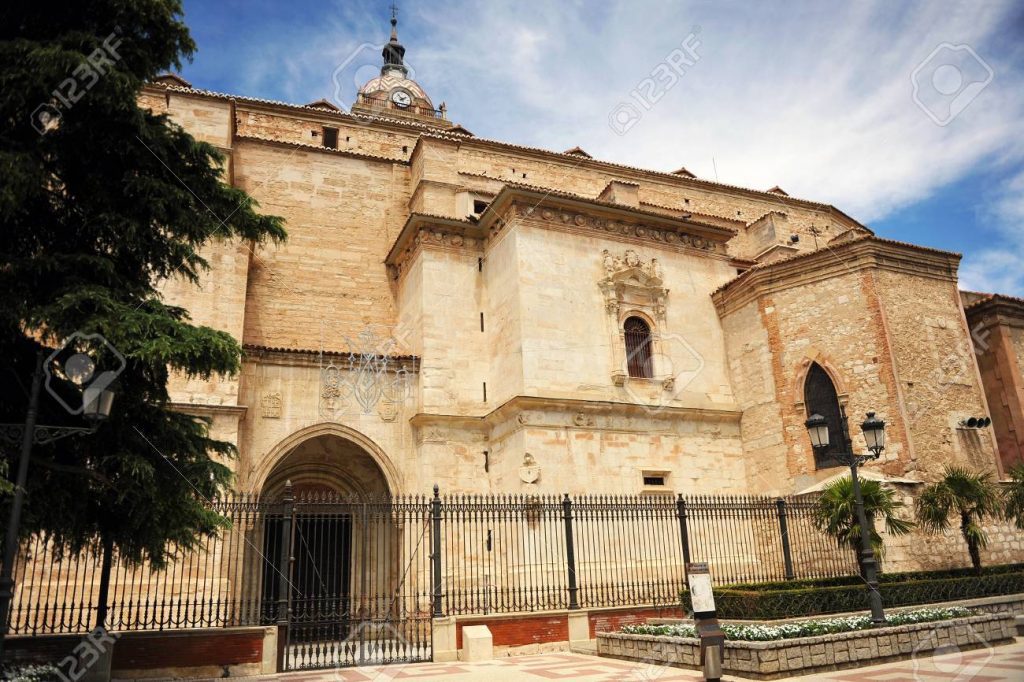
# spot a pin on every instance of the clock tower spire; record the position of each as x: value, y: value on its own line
x: 394, y: 51
x: 394, y: 93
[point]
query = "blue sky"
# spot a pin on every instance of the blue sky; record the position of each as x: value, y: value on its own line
x: 818, y: 98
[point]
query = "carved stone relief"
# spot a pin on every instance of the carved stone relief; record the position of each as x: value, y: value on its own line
x: 270, y: 405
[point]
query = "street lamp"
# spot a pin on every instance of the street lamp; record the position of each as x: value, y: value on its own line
x: 874, y: 435
x: 96, y: 408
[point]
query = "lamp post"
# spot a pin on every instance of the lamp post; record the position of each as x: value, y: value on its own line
x: 874, y: 435
x: 97, y: 404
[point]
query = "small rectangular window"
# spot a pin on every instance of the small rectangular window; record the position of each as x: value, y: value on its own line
x: 658, y: 480
x: 331, y: 137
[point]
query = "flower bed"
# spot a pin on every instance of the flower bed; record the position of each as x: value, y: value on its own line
x: 851, y: 646
x: 807, y: 628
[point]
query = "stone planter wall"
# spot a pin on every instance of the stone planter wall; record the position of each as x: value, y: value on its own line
x: 767, y: 660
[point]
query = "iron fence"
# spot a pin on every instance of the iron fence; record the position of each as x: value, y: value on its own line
x: 330, y: 566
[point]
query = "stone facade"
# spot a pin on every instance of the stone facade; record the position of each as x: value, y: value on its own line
x: 450, y: 309
x: 801, y: 656
x: 997, y: 325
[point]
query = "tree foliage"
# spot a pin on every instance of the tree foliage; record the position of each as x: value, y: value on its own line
x: 835, y: 513
x: 1013, y: 496
x: 970, y: 497
x: 95, y: 214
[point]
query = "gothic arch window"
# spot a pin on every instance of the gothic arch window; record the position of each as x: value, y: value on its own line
x: 638, y: 348
x: 820, y: 398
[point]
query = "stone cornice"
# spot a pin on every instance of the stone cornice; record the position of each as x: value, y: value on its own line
x: 296, y: 357
x: 514, y: 408
x: 304, y: 111
x: 852, y: 256
x: 290, y: 144
x: 425, y: 230
x: 997, y: 309
x: 631, y: 172
x: 423, y: 130
x: 566, y: 212
x: 206, y: 409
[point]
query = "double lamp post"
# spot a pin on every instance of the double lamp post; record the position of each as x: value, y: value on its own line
x: 874, y: 435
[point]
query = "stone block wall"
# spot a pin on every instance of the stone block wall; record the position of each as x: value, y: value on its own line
x: 997, y: 331
x: 805, y: 655
x: 884, y: 321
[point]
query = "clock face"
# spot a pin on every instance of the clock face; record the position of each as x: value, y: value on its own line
x: 401, y: 98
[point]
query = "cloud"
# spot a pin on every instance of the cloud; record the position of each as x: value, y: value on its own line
x: 998, y: 268
x: 815, y: 98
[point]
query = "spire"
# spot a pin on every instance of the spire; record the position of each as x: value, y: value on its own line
x: 394, y: 52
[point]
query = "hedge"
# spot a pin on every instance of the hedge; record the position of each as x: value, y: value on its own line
x: 883, y: 578
x: 755, y: 603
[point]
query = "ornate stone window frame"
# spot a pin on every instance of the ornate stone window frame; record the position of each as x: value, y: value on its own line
x: 634, y: 288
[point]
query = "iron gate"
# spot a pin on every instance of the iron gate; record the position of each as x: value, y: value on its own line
x: 351, y: 583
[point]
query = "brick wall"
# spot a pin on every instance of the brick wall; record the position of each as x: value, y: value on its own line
x: 520, y: 631
x: 612, y: 621
x: 135, y: 651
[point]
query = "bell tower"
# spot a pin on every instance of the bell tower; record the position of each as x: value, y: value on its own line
x: 394, y: 94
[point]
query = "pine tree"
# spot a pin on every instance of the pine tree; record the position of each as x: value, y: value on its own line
x: 100, y: 201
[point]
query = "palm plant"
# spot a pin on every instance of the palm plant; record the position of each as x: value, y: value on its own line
x: 1014, y: 496
x: 835, y: 514
x: 972, y: 496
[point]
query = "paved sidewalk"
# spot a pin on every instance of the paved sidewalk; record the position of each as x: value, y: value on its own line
x: 980, y: 665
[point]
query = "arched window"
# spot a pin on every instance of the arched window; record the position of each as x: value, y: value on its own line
x: 638, y: 348
x: 820, y: 398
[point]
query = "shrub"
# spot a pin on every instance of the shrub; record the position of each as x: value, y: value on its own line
x: 803, y: 599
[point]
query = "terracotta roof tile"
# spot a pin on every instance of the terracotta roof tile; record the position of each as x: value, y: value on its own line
x: 321, y: 148
x: 598, y: 202
x: 993, y: 297
x: 440, y: 133
x: 806, y: 254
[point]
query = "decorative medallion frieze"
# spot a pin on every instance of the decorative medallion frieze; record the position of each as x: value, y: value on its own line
x: 623, y: 228
x: 433, y: 237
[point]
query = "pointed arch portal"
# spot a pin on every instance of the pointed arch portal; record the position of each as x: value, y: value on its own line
x: 820, y: 397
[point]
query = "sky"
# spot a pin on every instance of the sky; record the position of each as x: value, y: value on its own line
x: 907, y: 116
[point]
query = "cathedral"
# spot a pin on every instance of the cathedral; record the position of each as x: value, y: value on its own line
x: 495, y: 318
